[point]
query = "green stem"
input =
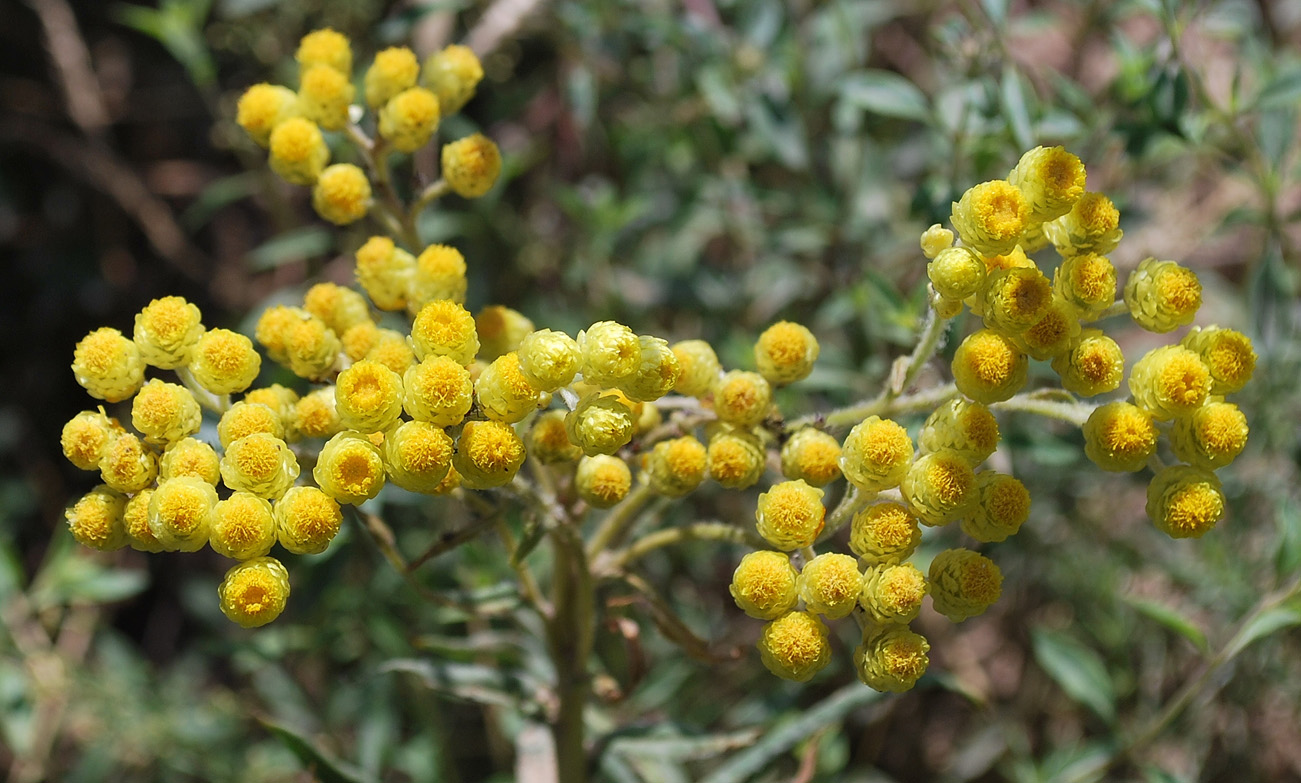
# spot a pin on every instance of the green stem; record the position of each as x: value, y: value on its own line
x: 880, y: 406
x: 434, y: 191
x: 217, y: 403
x: 853, y: 500
x: 569, y: 640
x: 696, y: 531
x: 927, y: 345
x: 1076, y: 413
x: 618, y: 520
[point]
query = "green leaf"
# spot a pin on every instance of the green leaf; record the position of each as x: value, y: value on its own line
x: 471, y: 682
x: 532, y: 534
x: 1012, y: 96
x: 1287, y: 558
x: 1282, y: 92
x: 1077, y: 669
x: 684, y: 748
x: 1171, y: 619
x: 1266, y: 623
x: 293, y: 245
x: 885, y: 93
x: 216, y: 195
x: 997, y: 11
x: 178, y: 26
x: 323, y: 766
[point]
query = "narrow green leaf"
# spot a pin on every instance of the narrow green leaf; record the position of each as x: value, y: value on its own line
x: 1266, y: 623
x: 1283, y: 91
x: 471, y: 682
x: 1012, y: 96
x: 885, y: 93
x: 685, y: 748
x: 997, y: 11
x: 1078, y: 670
x: 532, y: 534
x: 1171, y: 619
x: 293, y: 245
x: 323, y: 766
x: 1287, y: 558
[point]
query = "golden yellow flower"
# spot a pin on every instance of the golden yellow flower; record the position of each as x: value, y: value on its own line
x: 126, y: 465
x: 599, y: 424
x: 136, y: 521
x: 488, y: 454
x: 548, y: 440
x: 990, y: 217
x: 1092, y: 226
x: 1163, y: 296
x: 180, y: 513
x: 699, y: 367
x: 325, y: 47
x: 262, y: 107
x: 1169, y: 382
x: 224, y: 361
x: 988, y: 367
x: 891, y: 659
x: 956, y: 272
x: 794, y: 646
x: 245, y: 418
x: 764, y: 585
x: 1087, y: 282
x: 242, y: 527
x: 96, y: 520
x: 884, y: 533
x: 1002, y: 505
x: 86, y: 436
x: 439, y: 274
x: 298, y: 151
x: 368, y: 397
x: 418, y: 455
x: 736, y: 457
x: 452, y: 74
x: 1093, y: 365
x: 677, y: 466
x: 1212, y: 437
x: 790, y: 515
x: 876, y: 454
x: 611, y: 353
x: 962, y: 426
x: 471, y: 165
x: 165, y: 412
x: 261, y: 464
x: 385, y: 271
x: 1228, y: 355
x: 1015, y: 299
x: 812, y: 455
x: 254, y: 593
x: 785, y: 353
x: 314, y: 415
x: 1051, y: 179
x: 893, y: 593
x: 445, y: 328
x: 939, y: 487
x: 166, y: 330
x: 1054, y: 333
x: 349, y: 468
x: 936, y: 240
x: 108, y: 365
x: 324, y: 95
x: 963, y: 583
x: 408, y: 120
x: 603, y: 480
x: 1120, y: 437
x: 393, y: 70
x: 1185, y: 501
x: 190, y: 457
x: 342, y: 194
x: 307, y: 520
x: 742, y: 398
x: 830, y: 585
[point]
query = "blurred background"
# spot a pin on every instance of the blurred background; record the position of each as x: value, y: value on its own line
x: 691, y: 168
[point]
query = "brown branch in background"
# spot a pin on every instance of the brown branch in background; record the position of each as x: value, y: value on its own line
x: 71, y: 61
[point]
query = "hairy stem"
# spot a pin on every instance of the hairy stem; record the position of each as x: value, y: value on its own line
x: 696, y: 531
x: 619, y: 520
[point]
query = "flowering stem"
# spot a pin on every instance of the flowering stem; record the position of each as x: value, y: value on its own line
x: 569, y: 640
x: 853, y: 500
x: 618, y: 520
x: 1117, y: 307
x: 927, y: 345
x: 696, y: 531
x: 882, y: 405
x: 218, y: 404
x: 434, y: 191
x: 1076, y: 413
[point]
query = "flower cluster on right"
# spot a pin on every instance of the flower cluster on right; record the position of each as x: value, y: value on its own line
x: 1175, y: 389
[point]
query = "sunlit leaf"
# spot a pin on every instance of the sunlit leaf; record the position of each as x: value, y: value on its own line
x: 1077, y: 669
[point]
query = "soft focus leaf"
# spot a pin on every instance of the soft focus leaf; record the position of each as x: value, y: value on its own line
x: 1172, y: 619
x: 885, y: 93
x: 1281, y: 92
x: 1012, y: 96
x: 1266, y: 623
x: 1077, y: 669
x: 293, y: 245
x: 322, y: 766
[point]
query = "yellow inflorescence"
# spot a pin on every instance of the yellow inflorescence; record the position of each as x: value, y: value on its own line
x: 876, y: 454
x: 602, y: 481
x: 254, y: 592
x: 795, y: 646
x: 790, y: 515
x: 471, y: 165
x: 764, y: 585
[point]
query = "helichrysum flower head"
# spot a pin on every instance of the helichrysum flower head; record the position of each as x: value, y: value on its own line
x: 180, y: 513
x: 876, y: 454
x: 1227, y: 353
x: 699, y: 365
x: 243, y: 527
x: 1015, y: 299
x: 349, y: 468
x: 488, y: 454
x: 939, y: 487
x: 549, y: 359
x: 1087, y: 282
x: 736, y: 458
x: 1051, y: 179
x: 1185, y: 501
x: 136, y: 521
x: 359, y: 339
x: 393, y: 350
x: 657, y: 373
x: 936, y: 240
x: 1169, y: 382
x: 790, y: 515
x: 602, y: 481
x: 438, y: 390
x: 307, y: 520
x: 394, y: 69
x: 126, y: 465
x: 1002, y: 505
x: 548, y: 440
x: 964, y: 583
x: 166, y: 330
x: 96, y: 520
x: 611, y: 353
x: 956, y: 272
x: 279, y: 399
x: 677, y: 466
x: 830, y: 584
x: 503, y: 392
x: 452, y: 74
x: 794, y: 646
x: 259, y: 463
x: 1092, y: 226
x: 341, y: 194
x: 311, y: 347
x: 272, y: 329
x: 385, y: 270
x: 368, y: 397
x: 325, y: 47
x: 324, y: 95
x: 989, y: 367
x: 501, y: 330
x: 962, y: 426
x: 439, y: 274
x: 165, y: 412
x: 599, y: 424
x: 1093, y: 365
x: 991, y: 216
x: 108, y: 365
x: 742, y: 398
x: 314, y: 415
x: 471, y: 165
x: 812, y: 455
x: 418, y: 455
x: 1053, y: 334
x: 764, y: 585
x: 262, y: 107
x: 224, y: 361
x: 785, y: 353
x: 298, y: 151
x: 444, y: 328
x: 409, y: 119
x: 254, y: 592
x: 1120, y: 437
x: 86, y: 436
x: 891, y: 659
x: 892, y: 593
x: 1163, y: 296
x: 884, y: 533
x: 190, y: 457
x: 245, y: 418
x: 1212, y: 437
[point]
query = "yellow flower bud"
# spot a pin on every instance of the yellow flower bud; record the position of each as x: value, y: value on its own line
x: 549, y: 440
x: 311, y: 348
x: 1169, y: 382
x: 86, y: 436
x: 471, y: 165
x: 876, y: 454
x: 439, y: 274
x: 166, y: 330
x: 126, y: 465
x: 657, y: 373
x: 963, y: 583
x: 790, y: 515
x: 812, y: 455
x: 190, y: 457
x: 180, y: 513
x: 392, y: 350
x: 314, y: 415
x: 944, y: 307
x: 602, y: 481
x: 338, y: 307
x: 1163, y: 296
x: 699, y: 367
x: 360, y: 339
x: 325, y: 47
x: 224, y: 361
x: 245, y: 418
x: 1087, y: 282
x: 936, y: 240
x: 1227, y: 353
x: 1212, y: 437
x: 549, y: 359
x: 736, y: 458
x: 1120, y: 437
x: 742, y: 398
x: 1015, y: 299
x: 324, y: 95
x: 488, y: 454
x: 988, y: 367
x: 1002, y: 506
x: 342, y: 194
x: 278, y: 398
x: 764, y: 585
x: 349, y: 468
x: 108, y: 365
x: 96, y: 520
x: 273, y: 327
x: 1092, y: 226
x: 1051, y: 179
x: 1185, y: 501
x: 1053, y: 334
x: 1033, y: 239
x: 452, y: 74
x: 939, y: 487
x: 794, y: 646
x: 830, y: 584
x: 165, y: 412
x: 242, y: 527
x: 785, y: 353
x: 962, y: 426
x: 501, y: 330
x: 409, y: 119
x: 261, y: 464
x: 884, y: 533
x: 611, y: 353
x: 418, y: 455
x: 956, y: 272
x: 253, y: 593
x: 444, y: 328
x: 891, y: 659
x: 307, y: 520
x: 676, y: 467
x: 1093, y: 365
x: 136, y: 522
x: 991, y: 216
x: 599, y: 424
x: 368, y: 397
x: 393, y: 70
x: 262, y: 107
x: 298, y: 151
x: 438, y: 390
x: 385, y: 272
x: 892, y: 593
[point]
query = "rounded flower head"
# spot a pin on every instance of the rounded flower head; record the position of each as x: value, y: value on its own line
x: 1163, y: 296
x: 548, y: 440
x: 742, y: 398
x: 393, y: 70
x: 764, y: 585
x: 876, y: 454
x: 893, y: 593
x: 314, y: 415
x: 790, y: 515
x: 349, y: 468
x: 452, y: 74
x: 298, y: 151
x: 1087, y: 282
x: 602, y: 481
x: 392, y: 350
x: 1092, y: 226
x: 359, y: 339
x: 438, y: 390
x: 96, y: 520
x: 991, y: 216
x: 939, y: 487
x: 956, y: 272
x: 342, y: 194
x: 736, y: 458
x: 1227, y: 353
x: 1169, y: 382
x: 409, y: 119
x: 599, y: 424
x: 272, y: 330
x: 224, y: 361
x: 444, y: 328
x: 1120, y: 437
x: 1093, y: 365
x: 964, y: 583
x: 891, y: 659
x: 549, y: 359
x: 126, y: 465
x: 488, y: 454
x: 1002, y: 506
x: 165, y: 412
x: 279, y: 399
x: 471, y: 165
x: 1053, y: 334
x: 1185, y: 501
x: 677, y: 466
x: 136, y: 521
x: 989, y: 367
x: 610, y: 351
x: 108, y: 365
x: 1015, y: 299
x: 242, y: 527
x: 385, y: 270
x: 936, y: 240
x: 1212, y: 437
x: 324, y: 95
x: 830, y: 584
x: 439, y: 274
x: 884, y: 533
x: 180, y: 513
x: 325, y: 47
x: 699, y: 366
x: 657, y: 373
x: 418, y: 455
x: 504, y: 393
x: 261, y: 464
x: 166, y: 330
x: 785, y: 353
x: 262, y: 107
x: 501, y: 330
x: 368, y: 397
x: 794, y: 646
x: 307, y: 520
x: 253, y: 593
x: 812, y: 455
x: 190, y: 457
x: 311, y: 348
x: 86, y: 436
x: 962, y: 426
x: 1051, y: 179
